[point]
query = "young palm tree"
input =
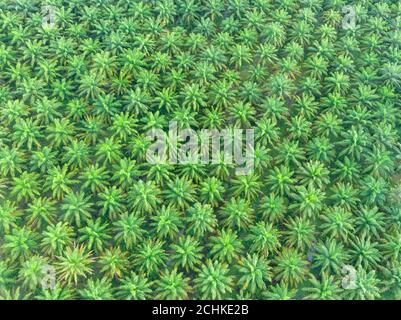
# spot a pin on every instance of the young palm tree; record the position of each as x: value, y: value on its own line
x: 225, y: 246
x: 137, y: 100
x: 13, y: 294
x: 59, y: 292
x: 280, y: 292
x: 94, y: 235
x: 344, y: 195
x: 167, y: 222
x: 14, y: 110
x: 222, y: 94
x: 11, y: 160
x: 125, y: 172
x: 241, y: 55
x: 143, y: 196
x: 26, y: 186
x: 263, y: 238
x: 59, y: 181
x: 114, y: 262
x: 74, y: 263
x: 134, y: 287
x: 129, y: 229
x: 213, y: 281
x: 370, y: 221
x: 300, y: 233
x: 9, y: 216
x: 391, y: 248
x: 320, y: 149
x: 96, y: 289
x: 280, y: 180
x: 347, y: 170
x: 326, y: 288
x: 192, y: 171
x: 247, y: 186
x: 374, y: 190
x: 59, y: 132
x: 56, y: 238
x: 308, y: 201
x: 255, y: 272
x: 392, y: 283
x: 367, y: 286
x: 237, y: 214
x: 77, y: 208
x: 41, y: 210
x: 337, y: 223
x: 78, y: 192
x: 109, y: 151
x: 111, y: 202
x: 289, y: 152
x: 330, y: 256
x: 201, y: 219
x: 31, y: 272
x: 179, y: 193
x: 272, y: 207
x: 46, y: 110
x: 91, y: 85
x: 365, y: 253
x: 211, y: 191
x: 150, y: 257
x: 314, y: 173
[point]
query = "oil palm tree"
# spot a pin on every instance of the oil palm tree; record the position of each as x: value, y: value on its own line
x: 75, y: 263
x: 172, y: 285
x: 291, y: 267
x: 187, y: 253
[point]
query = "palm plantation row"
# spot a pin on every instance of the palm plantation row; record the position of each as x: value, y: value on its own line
x: 76, y: 191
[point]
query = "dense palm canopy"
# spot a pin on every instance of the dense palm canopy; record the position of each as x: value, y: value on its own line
x: 77, y: 194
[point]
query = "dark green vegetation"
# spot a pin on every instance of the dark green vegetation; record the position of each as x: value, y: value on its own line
x: 77, y: 194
